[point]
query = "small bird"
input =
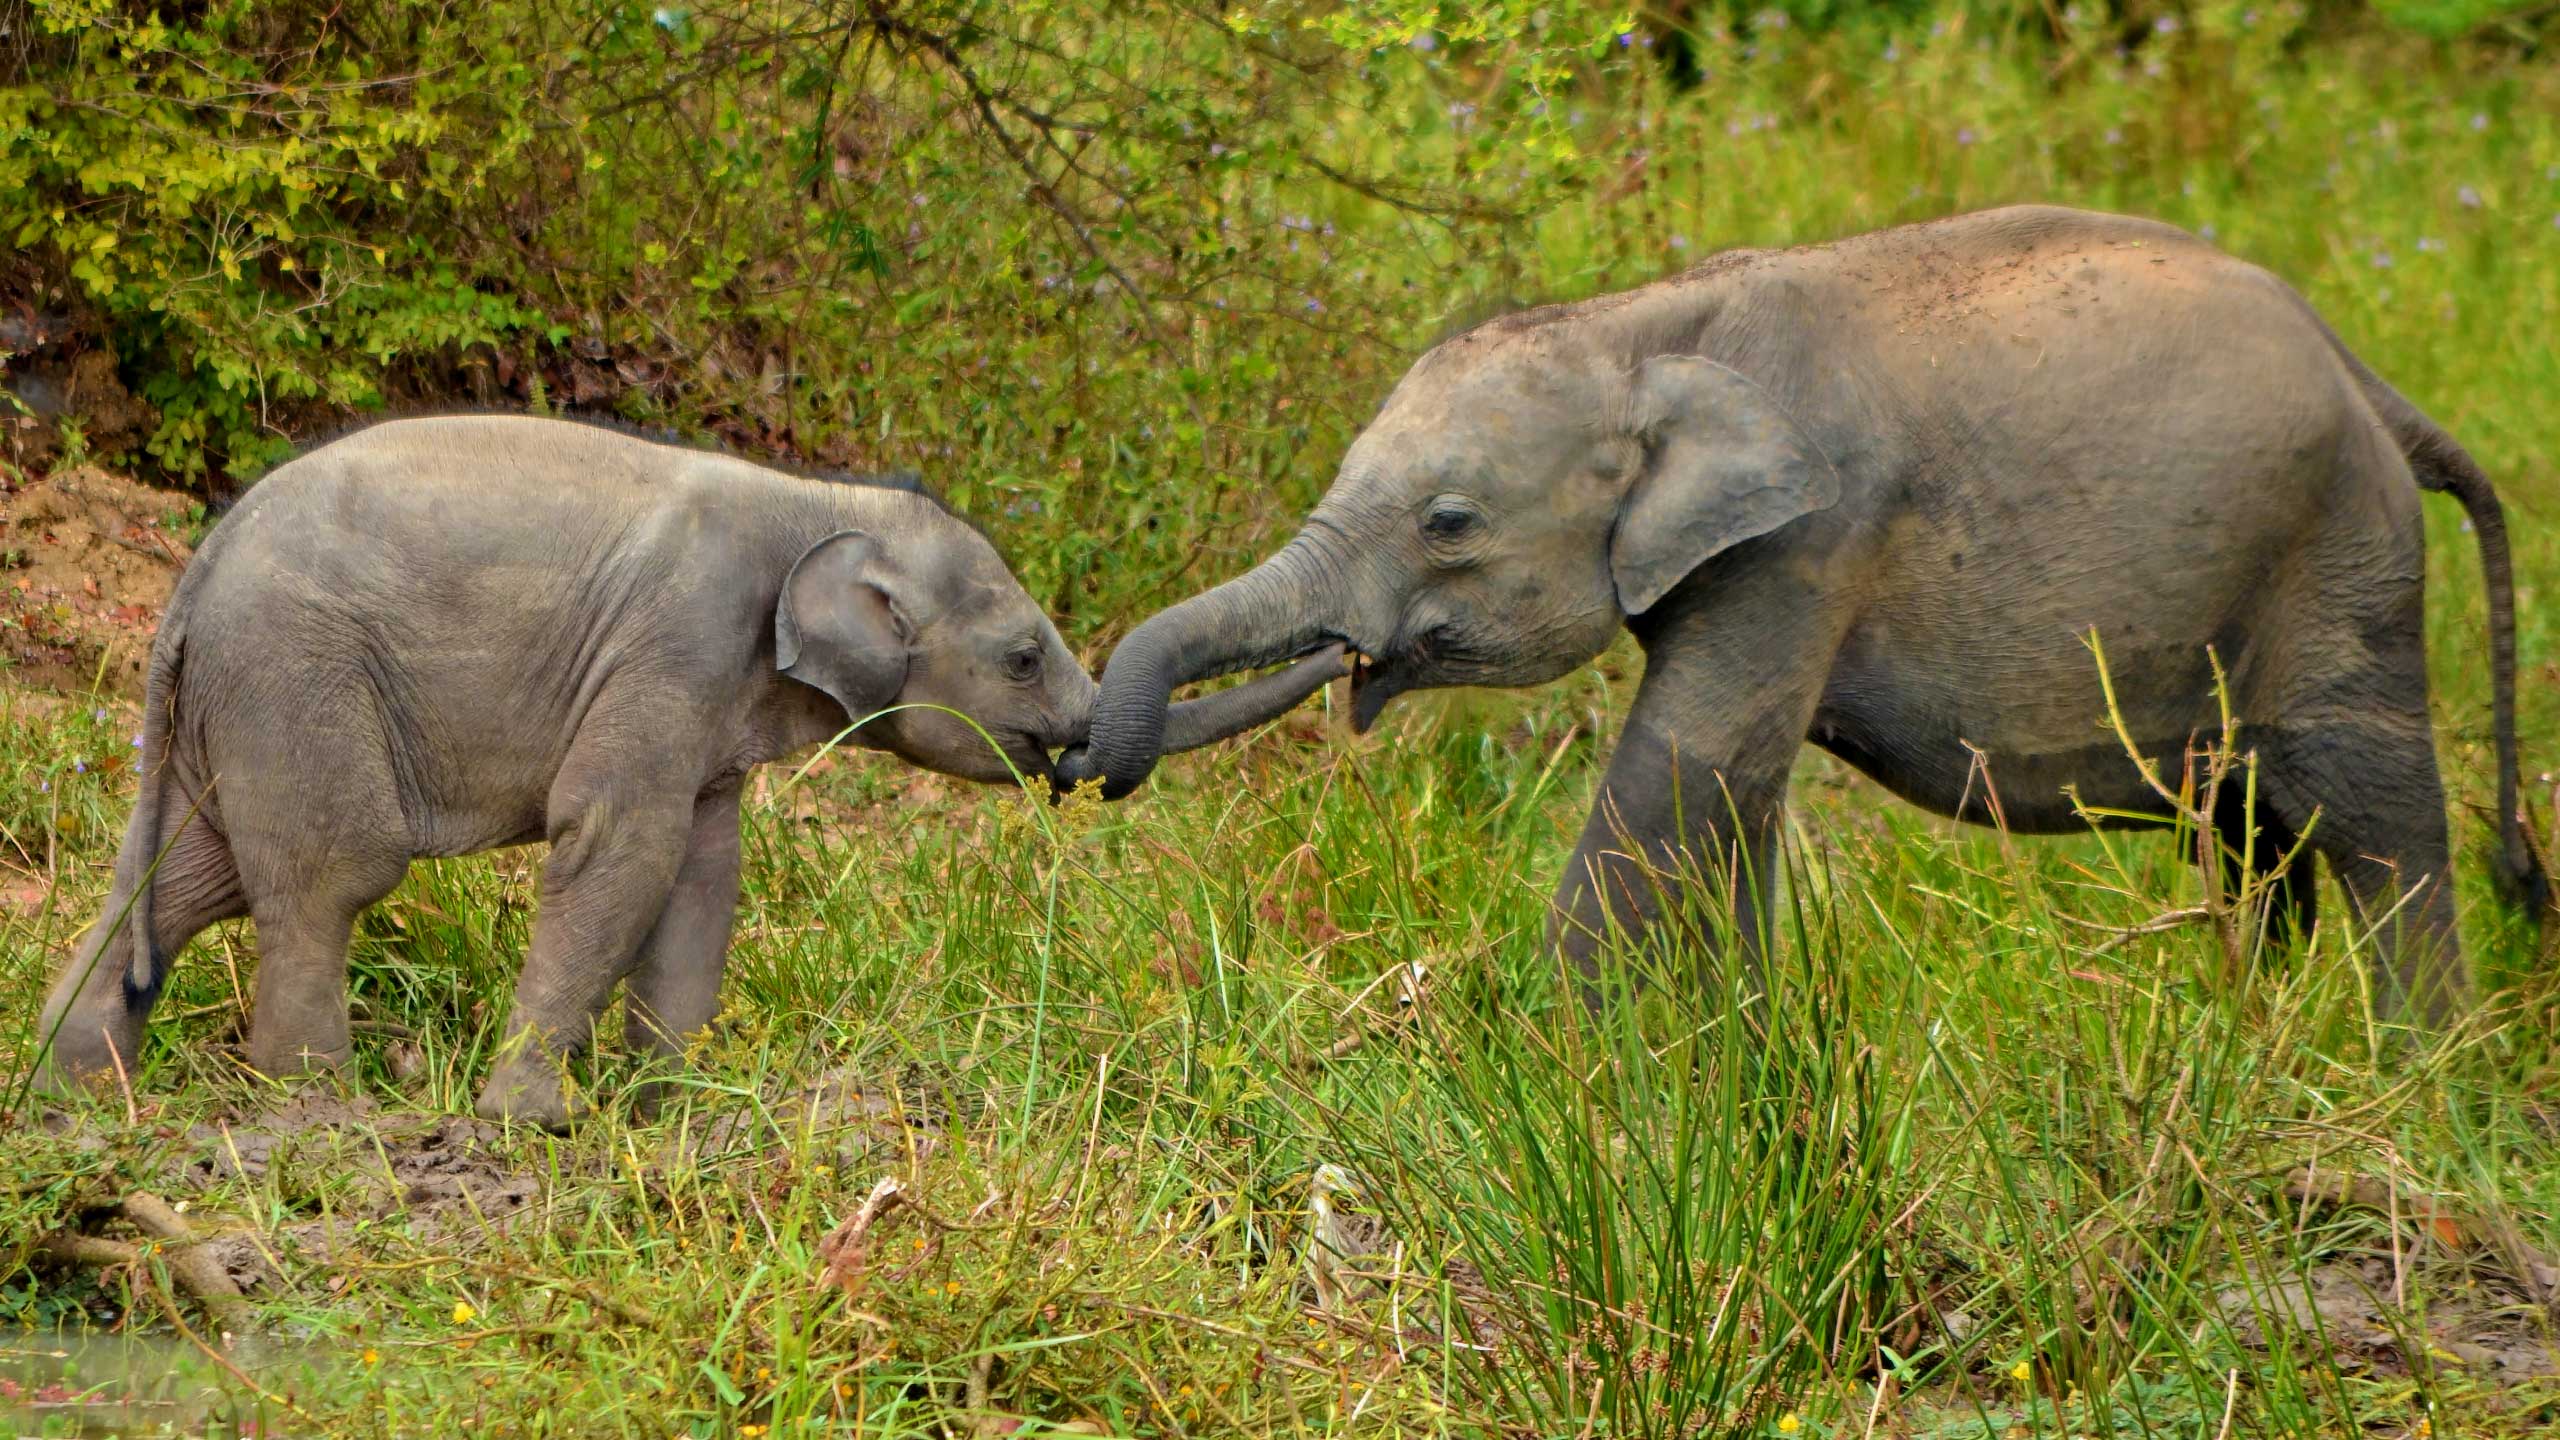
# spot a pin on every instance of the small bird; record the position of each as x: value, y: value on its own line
x: 1341, y: 1236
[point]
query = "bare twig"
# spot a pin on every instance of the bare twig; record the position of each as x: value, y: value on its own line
x: 845, y: 1252
x: 197, y: 1271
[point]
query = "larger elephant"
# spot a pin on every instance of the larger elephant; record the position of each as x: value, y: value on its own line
x: 1878, y: 494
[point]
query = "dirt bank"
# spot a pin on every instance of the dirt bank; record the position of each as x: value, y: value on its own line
x: 87, y: 561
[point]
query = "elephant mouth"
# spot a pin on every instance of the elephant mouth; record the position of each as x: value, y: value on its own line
x: 1374, y: 682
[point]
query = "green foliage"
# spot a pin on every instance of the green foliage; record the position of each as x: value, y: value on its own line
x: 1061, y: 258
x: 2445, y: 19
x: 1049, y: 254
x: 2008, y: 1163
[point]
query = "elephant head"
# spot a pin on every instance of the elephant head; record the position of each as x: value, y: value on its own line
x: 936, y: 624
x: 1526, y: 488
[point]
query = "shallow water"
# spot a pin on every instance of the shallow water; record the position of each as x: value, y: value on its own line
x: 65, y: 1384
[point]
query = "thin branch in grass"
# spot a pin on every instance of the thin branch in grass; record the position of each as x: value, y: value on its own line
x: 2166, y: 920
x: 844, y: 1253
x: 171, y: 1239
x: 1410, y: 978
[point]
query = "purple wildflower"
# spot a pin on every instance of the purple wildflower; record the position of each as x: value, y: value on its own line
x: 2469, y: 197
x: 1965, y: 136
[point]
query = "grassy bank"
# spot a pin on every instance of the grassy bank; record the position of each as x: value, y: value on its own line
x: 2005, y: 1163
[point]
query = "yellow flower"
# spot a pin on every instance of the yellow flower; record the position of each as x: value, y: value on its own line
x: 462, y: 1312
x: 372, y: 1356
x: 2022, y: 1372
x: 843, y: 1391
x: 751, y: 1431
x: 952, y: 1288
x: 764, y: 1372
x: 1788, y: 1424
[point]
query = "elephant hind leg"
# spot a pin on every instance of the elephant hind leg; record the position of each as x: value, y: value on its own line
x: 95, y: 1013
x: 2288, y: 883
x: 301, y: 1020
x: 2365, y: 787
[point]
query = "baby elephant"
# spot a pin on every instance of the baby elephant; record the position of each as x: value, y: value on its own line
x: 446, y: 635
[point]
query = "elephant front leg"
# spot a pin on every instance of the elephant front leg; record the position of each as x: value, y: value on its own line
x: 675, y: 987
x: 1675, y: 845
x: 613, y: 864
x: 1683, y: 836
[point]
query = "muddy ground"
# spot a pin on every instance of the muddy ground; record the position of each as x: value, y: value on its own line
x: 87, y: 562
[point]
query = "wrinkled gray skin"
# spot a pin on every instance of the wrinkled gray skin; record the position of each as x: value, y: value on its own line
x: 446, y: 635
x: 1875, y: 494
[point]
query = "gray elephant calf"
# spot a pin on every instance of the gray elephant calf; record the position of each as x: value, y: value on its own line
x: 1877, y: 494
x: 442, y: 636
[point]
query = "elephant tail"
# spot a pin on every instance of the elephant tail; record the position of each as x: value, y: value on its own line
x: 138, y: 862
x: 146, y: 969
x: 2441, y: 464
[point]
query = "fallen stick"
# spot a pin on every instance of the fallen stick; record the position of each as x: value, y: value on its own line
x: 196, y: 1272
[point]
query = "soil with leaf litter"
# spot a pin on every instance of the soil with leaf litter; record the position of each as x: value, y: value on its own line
x: 87, y: 564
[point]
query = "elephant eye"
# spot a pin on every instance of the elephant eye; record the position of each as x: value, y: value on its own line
x: 1447, y: 520
x: 1023, y: 664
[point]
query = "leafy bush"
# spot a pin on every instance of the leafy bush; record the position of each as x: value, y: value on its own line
x: 1044, y: 253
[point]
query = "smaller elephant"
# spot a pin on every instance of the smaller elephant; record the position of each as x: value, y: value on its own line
x: 445, y: 635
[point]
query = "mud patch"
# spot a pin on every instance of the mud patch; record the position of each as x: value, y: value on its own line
x: 87, y: 563
x: 441, y: 1180
x: 2474, y: 1324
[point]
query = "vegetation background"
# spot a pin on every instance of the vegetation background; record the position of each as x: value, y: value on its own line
x: 1122, y: 281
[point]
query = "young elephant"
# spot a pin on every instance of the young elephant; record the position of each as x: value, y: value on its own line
x: 1878, y: 494
x: 441, y: 636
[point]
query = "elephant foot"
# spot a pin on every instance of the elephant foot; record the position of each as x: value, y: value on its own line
x: 526, y: 1090
x: 62, y: 1083
x: 649, y: 1096
x: 91, y: 1044
x: 281, y: 1051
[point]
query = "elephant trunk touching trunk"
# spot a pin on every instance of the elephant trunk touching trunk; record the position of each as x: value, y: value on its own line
x: 1260, y: 618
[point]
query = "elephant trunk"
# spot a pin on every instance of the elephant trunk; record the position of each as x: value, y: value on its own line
x: 1261, y: 617
x: 1074, y: 714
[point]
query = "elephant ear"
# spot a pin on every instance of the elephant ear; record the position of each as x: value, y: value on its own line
x: 1722, y: 463
x: 837, y: 627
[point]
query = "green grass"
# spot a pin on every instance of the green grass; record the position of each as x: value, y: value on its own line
x: 1984, y: 1174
